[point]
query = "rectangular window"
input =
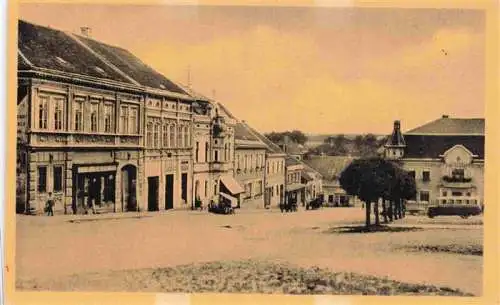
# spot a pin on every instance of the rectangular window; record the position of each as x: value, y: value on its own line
x: 149, y: 135
x: 165, y: 135
x: 186, y: 136
x: 156, y: 136
x: 197, y: 151
x: 171, y: 132
x: 108, y: 118
x: 456, y: 194
x: 43, y: 109
x: 124, y: 119
x: 42, y: 179
x: 179, y: 136
x: 134, y: 123
x: 426, y: 175
x: 206, y: 152
x: 216, y: 156
x: 411, y: 173
x: 58, y: 178
x: 445, y: 193
x: 458, y: 173
x: 424, y: 196
x: 58, y: 114
x: 94, y: 116
x: 78, y: 114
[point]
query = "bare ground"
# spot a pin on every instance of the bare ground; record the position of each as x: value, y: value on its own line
x: 115, y: 248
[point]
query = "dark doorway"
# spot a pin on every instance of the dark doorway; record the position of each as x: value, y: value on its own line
x: 129, y: 199
x: 184, y: 186
x: 153, y: 183
x: 169, y: 192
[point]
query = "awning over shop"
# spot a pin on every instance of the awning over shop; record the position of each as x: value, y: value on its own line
x: 232, y: 185
x: 294, y: 187
x: 233, y: 200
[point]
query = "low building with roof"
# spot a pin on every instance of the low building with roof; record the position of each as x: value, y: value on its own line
x: 446, y: 157
x: 331, y: 168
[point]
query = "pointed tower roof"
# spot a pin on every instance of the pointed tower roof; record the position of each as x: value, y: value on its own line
x: 396, y: 139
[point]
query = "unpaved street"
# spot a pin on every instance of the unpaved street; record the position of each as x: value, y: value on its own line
x: 53, y: 247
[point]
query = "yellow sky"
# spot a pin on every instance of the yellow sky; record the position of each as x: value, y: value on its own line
x: 319, y: 70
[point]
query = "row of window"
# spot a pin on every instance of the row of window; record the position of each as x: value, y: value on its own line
x: 456, y: 173
x: 88, y: 116
x: 275, y: 167
x: 225, y: 156
x: 171, y: 135
x: 293, y: 177
x: 57, y: 175
x: 425, y: 195
x: 426, y: 175
x: 257, y: 190
x: 250, y: 161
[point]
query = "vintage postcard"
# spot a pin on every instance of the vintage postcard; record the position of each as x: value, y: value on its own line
x: 194, y: 153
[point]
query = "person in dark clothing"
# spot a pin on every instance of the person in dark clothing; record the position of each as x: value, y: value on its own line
x: 50, y: 205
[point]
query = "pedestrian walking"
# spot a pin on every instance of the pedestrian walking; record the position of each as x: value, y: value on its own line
x: 50, y: 205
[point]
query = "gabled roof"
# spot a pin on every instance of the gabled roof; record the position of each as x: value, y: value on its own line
x: 330, y: 167
x: 451, y: 126
x: 245, y: 138
x: 44, y: 48
x: 271, y: 147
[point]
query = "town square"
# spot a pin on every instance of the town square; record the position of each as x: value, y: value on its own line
x: 220, y: 159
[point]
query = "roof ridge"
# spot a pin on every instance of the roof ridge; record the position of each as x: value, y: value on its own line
x: 101, y: 58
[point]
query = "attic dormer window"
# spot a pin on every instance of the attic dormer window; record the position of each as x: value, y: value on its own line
x: 63, y: 62
x: 100, y: 70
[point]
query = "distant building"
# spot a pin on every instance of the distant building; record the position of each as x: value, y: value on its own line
x: 293, y: 149
x: 446, y: 157
x: 295, y: 189
x: 250, y: 165
x: 274, y: 182
x: 331, y: 168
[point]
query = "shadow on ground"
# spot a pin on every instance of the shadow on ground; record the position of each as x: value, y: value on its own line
x: 370, y: 229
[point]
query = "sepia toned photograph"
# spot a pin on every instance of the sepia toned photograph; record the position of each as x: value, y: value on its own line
x: 250, y: 149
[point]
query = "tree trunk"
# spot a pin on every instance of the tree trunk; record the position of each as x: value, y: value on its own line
x: 368, y: 214
x: 400, y: 208
x: 384, y: 211
x: 403, y: 209
x: 391, y: 210
x: 377, y: 219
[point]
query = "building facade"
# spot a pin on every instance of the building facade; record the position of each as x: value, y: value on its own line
x: 250, y: 165
x: 446, y: 157
x: 295, y: 189
x: 97, y: 128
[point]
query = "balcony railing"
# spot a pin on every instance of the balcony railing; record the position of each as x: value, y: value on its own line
x: 457, y: 179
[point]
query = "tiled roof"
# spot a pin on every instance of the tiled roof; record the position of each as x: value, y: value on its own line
x: 56, y: 50
x: 132, y: 66
x: 271, y: 147
x: 52, y: 49
x: 447, y: 125
x: 432, y: 146
x: 241, y: 132
x: 330, y: 167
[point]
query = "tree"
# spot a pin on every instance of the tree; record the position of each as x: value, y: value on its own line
x: 367, y: 179
x: 298, y: 137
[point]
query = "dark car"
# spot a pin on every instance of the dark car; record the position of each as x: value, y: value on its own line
x: 462, y: 210
x: 220, y: 208
x: 314, y: 204
x: 290, y: 206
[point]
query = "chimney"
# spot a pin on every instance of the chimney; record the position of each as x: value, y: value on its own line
x: 86, y: 31
x: 445, y: 116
